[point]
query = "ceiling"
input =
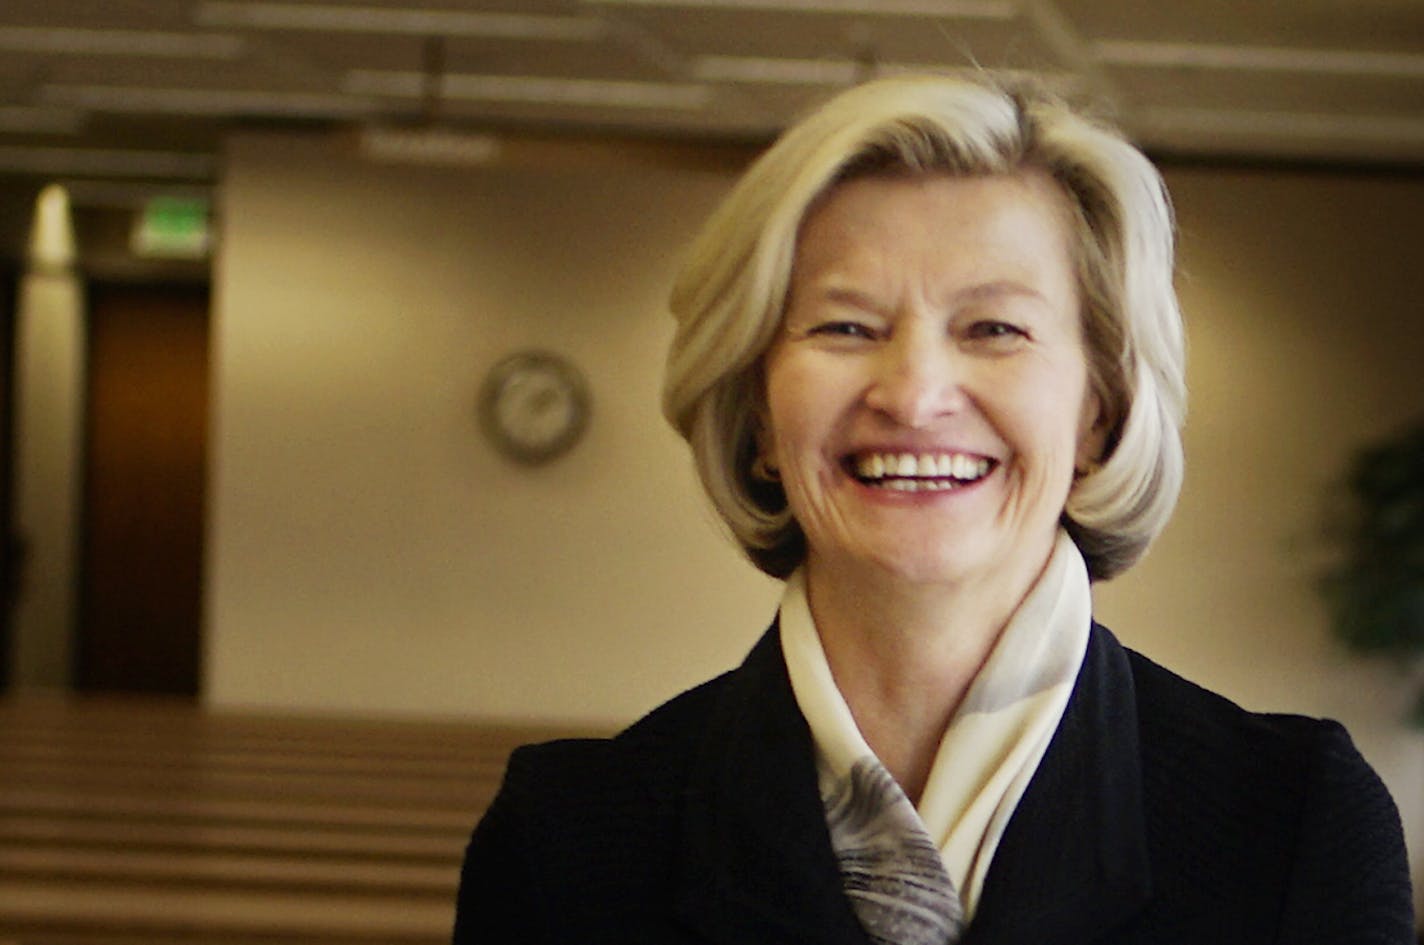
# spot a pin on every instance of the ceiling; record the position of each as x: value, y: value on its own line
x: 129, y: 94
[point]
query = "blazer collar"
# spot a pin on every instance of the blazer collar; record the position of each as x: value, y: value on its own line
x: 756, y: 858
x: 1073, y: 862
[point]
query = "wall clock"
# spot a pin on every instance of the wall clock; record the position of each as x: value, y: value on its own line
x: 534, y: 406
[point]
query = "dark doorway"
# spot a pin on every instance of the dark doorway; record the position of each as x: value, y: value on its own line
x: 141, y: 564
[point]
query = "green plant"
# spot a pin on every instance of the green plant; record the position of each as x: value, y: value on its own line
x: 1376, y: 592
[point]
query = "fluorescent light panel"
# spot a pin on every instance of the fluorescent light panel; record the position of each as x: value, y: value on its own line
x: 1340, y: 62
x: 939, y: 9
x: 397, y: 21
x: 83, y: 42
x: 213, y: 102
x: 773, y: 71
x: 834, y: 73
x: 432, y: 147
x: 534, y: 90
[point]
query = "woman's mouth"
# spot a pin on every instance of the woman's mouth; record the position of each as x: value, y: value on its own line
x: 919, y: 472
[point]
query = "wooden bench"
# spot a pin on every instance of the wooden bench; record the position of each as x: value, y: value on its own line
x: 126, y: 821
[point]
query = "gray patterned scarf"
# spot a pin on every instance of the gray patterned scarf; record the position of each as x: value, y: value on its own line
x: 892, y: 873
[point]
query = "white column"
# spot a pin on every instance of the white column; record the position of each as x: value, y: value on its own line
x: 49, y: 408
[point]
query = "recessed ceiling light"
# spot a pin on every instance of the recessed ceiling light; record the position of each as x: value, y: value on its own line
x: 399, y: 21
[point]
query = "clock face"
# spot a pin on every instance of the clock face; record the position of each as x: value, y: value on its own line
x: 534, y: 406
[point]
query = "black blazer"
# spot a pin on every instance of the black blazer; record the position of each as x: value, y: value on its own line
x: 1161, y: 814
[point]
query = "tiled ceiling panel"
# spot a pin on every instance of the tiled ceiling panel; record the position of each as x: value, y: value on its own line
x: 1321, y: 80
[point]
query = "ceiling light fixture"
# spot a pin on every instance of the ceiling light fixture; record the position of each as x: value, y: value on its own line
x: 774, y: 71
x: 394, y: 20
x: 82, y: 42
x: 1260, y: 59
x: 431, y: 147
x: 537, y: 90
x: 938, y: 9
x: 211, y: 102
x: 838, y: 72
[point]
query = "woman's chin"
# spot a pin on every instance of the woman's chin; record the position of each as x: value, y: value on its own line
x: 907, y: 562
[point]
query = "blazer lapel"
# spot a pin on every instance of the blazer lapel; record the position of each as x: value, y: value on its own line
x: 757, y: 862
x: 1073, y: 862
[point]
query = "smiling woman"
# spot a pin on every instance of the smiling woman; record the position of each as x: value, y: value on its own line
x: 934, y: 318
x: 929, y: 362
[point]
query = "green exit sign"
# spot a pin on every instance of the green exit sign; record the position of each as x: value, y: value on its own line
x: 172, y: 228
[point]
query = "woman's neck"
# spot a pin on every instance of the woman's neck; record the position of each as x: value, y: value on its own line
x: 903, y: 656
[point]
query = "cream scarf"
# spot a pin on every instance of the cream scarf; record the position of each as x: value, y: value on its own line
x: 997, y: 736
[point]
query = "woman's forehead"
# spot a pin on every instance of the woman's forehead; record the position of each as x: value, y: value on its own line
x: 1002, y: 229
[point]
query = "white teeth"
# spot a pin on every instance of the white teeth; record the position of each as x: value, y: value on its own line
x: 908, y: 472
x: 920, y: 485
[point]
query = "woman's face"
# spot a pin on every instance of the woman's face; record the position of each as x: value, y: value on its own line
x: 927, y: 395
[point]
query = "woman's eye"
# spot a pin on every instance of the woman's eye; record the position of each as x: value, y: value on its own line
x: 994, y: 330
x: 844, y: 330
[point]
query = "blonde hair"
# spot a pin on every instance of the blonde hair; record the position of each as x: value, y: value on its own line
x: 729, y: 296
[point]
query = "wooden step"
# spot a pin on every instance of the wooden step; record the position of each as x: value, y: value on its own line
x: 127, y: 821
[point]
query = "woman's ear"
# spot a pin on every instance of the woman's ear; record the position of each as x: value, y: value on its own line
x: 1094, y: 426
x: 764, y: 462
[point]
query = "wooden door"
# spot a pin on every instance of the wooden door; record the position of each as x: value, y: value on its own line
x: 141, y: 564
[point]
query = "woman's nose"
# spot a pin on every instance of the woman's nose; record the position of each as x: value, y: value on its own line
x: 917, y: 380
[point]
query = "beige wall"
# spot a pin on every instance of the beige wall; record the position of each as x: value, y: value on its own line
x: 369, y: 551
x: 49, y: 364
x: 371, y: 554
